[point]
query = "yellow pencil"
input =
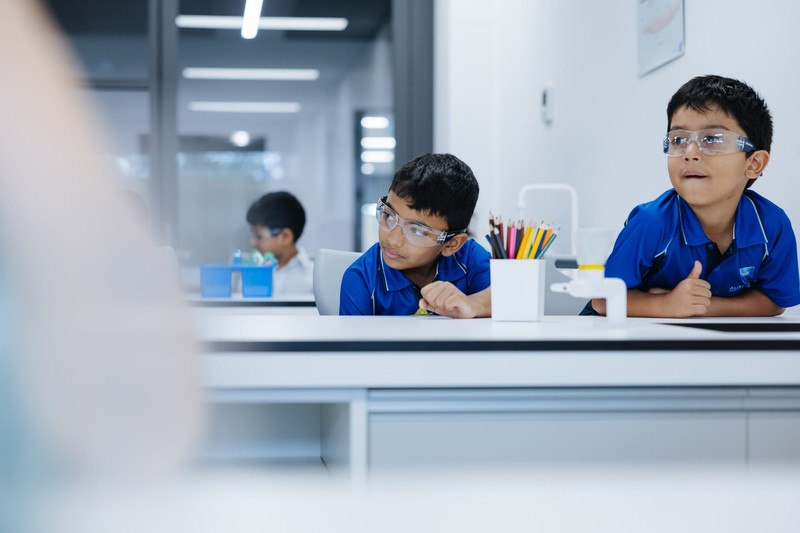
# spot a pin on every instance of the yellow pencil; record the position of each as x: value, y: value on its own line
x: 536, y: 241
x: 529, y: 246
x: 526, y: 239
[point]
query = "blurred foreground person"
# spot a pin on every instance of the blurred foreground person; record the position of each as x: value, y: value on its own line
x: 99, y: 375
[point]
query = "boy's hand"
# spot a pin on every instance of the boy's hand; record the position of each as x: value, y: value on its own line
x: 443, y: 298
x: 690, y: 297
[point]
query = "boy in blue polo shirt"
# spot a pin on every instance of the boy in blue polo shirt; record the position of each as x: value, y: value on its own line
x: 710, y: 246
x: 423, y: 261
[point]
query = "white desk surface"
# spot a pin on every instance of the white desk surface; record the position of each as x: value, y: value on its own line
x: 375, y: 352
x: 407, y: 329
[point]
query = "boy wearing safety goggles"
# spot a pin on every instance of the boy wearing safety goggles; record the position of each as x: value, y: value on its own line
x: 276, y: 223
x: 710, y: 246
x: 424, y: 262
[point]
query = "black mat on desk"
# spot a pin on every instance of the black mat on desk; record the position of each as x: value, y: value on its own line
x: 734, y: 327
x: 252, y: 303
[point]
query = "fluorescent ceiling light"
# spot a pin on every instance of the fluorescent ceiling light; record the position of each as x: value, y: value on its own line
x: 377, y: 123
x: 378, y: 143
x: 246, y: 107
x: 265, y: 23
x: 280, y: 74
x: 375, y: 156
x: 251, y: 18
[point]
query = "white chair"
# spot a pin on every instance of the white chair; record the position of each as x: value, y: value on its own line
x: 329, y: 267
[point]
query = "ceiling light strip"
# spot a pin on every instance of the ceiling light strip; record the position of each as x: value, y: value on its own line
x: 265, y: 23
x: 378, y: 143
x: 245, y: 107
x: 273, y: 74
x: 374, y: 122
x: 377, y: 156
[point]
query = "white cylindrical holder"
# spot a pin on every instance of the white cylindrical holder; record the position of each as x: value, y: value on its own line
x: 518, y: 290
x: 592, y: 245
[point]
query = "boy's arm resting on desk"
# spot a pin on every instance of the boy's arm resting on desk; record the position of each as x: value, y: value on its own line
x: 666, y: 304
x: 443, y: 298
x: 692, y: 298
x: 751, y: 302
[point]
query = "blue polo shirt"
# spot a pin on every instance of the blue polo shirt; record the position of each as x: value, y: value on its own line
x: 662, y: 239
x: 371, y: 287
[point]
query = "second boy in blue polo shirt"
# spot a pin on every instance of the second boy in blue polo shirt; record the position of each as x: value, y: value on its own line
x: 710, y: 247
x: 424, y: 261
x: 662, y: 237
x: 374, y: 288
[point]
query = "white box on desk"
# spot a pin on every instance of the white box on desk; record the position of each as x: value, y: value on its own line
x: 518, y: 289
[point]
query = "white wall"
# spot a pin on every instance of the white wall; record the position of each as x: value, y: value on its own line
x: 494, y: 58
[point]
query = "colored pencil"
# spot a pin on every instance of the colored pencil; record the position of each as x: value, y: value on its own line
x: 499, y: 242
x: 536, y: 241
x: 546, y: 246
x: 518, y: 242
x: 526, y: 239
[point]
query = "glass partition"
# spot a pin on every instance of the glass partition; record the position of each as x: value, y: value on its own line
x: 295, y: 91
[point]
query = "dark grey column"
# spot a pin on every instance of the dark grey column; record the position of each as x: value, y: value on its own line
x: 412, y: 31
x: 163, y: 145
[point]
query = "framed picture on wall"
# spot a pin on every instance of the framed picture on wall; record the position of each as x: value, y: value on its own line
x: 660, y: 33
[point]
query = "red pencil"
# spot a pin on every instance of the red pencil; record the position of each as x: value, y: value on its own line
x: 500, y: 229
x: 512, y: 241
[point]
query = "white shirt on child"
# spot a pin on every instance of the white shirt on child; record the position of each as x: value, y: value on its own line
x: 295, y: 277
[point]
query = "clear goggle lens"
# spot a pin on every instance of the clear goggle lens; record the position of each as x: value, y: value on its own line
x: 712, y: 141
x: 414, y: 232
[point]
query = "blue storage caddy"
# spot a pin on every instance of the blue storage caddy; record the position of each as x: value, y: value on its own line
x: 256, y: 280
x: 215, y: 281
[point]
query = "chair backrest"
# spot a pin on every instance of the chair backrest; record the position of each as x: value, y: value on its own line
x: 557, y: 202
x: 552, y: 202
x: 329, y: 267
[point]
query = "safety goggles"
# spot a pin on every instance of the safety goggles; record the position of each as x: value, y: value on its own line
x: 273, y: 232
x: 712, y: 141
x: 415, y: 233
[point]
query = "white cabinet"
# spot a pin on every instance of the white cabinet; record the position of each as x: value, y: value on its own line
x: 556, y: 428
x: 774, y: 426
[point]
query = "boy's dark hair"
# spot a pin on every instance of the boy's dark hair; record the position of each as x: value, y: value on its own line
x: 735, y: 97
x: 278, y: 210
x: 439, y: 184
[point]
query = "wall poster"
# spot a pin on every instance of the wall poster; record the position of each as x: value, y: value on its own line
x: 660, y: 33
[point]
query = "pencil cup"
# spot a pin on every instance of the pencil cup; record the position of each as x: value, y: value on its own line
x: 517, y: 289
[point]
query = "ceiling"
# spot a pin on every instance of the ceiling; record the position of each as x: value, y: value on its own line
x: 129, y: 17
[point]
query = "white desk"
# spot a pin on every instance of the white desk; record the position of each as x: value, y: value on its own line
x: 386, y: 392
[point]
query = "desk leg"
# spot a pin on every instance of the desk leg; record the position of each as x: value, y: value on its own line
x: 343, y: 443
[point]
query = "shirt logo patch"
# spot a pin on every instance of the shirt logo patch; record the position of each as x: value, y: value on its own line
x: 746, y: 271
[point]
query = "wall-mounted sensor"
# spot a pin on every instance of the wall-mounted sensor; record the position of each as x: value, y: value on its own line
x: 547, y: 104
